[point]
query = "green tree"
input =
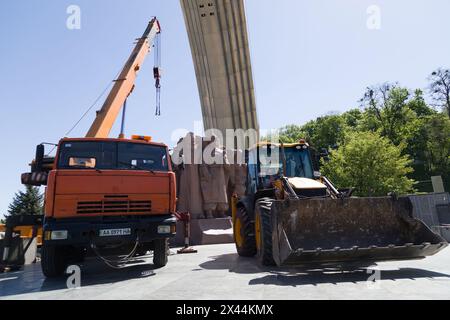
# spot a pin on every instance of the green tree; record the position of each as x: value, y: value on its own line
x: 388, y: 111
x: 440, y: 88
x: 400, y: 115
x: 419, y: 105
x: 352, y: 118
x: 28, y: 202
x: 289, y: 134
x: 437, y: 150
x: 371, y: 164
x: 324, y: 132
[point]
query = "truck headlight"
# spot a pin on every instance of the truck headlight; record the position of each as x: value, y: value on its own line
x: 59, y: 235
x: 163, y: 229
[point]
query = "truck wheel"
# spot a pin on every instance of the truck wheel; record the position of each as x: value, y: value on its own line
x: 263, y: 231
x: 53, y: 262
x: 244, y: 235
x: 160, y: 252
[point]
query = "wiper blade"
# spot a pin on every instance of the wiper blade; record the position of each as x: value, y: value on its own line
x: 132, y: 166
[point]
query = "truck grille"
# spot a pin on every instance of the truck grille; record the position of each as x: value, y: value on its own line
x: 114, y: 206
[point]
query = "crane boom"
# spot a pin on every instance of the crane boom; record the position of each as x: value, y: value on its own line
x: 124, y: 85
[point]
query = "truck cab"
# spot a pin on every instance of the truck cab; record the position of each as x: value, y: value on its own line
x: 108, y: 196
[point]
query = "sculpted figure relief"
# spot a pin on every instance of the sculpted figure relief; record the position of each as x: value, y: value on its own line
x: 207, y: 179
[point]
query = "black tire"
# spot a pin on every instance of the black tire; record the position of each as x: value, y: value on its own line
x: 160, y: 252
x: 246, y: 247
x: 264, y: 216
x: 53, y: 261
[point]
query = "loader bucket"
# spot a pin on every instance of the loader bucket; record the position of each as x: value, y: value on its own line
x: 328, y: 231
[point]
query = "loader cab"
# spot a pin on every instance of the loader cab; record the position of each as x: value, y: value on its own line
x: 267, y: 161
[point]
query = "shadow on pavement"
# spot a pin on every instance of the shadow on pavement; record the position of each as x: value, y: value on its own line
x: 335, y: 277
x: 93, y: 272
x: 299, y: 276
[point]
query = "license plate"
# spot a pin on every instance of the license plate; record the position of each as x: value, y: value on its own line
x: 115, y: 232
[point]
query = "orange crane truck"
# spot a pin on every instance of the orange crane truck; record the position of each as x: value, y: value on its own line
x: 107, y: 196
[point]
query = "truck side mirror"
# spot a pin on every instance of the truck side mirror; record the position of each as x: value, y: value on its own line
x: 39, y: 159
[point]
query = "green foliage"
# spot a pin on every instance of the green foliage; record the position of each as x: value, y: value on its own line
x: 437, y: 144
x: 388, y: 111
x: 353, y: 118
x: 371, y: 164
x: 419, y: 106
x: 288, y: 134
x: 29, y: 202
x: 324, y: 132
x: 401, y: 117
x: 440, y: 89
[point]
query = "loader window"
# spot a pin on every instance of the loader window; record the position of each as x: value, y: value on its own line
x: 269, y: 161
x: 270, y: 166
x: 298, y: 163
x: 252, y: 169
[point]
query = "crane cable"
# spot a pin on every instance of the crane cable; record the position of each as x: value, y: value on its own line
x: 86, y: 112
x: 115, y: 264
x: 157, y: 74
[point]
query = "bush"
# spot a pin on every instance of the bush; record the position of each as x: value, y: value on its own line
x: 371, y: 164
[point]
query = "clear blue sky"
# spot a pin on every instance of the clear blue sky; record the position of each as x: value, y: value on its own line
x: 309, y: 57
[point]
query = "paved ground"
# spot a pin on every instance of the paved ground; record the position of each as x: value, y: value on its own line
x: 216, y: 272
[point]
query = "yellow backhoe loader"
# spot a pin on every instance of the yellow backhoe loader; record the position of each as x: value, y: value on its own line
x: 291, y: 215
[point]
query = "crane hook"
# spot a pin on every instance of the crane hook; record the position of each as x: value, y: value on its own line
x: 157, y: 75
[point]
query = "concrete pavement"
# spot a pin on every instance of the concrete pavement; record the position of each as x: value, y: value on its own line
x: 216, y: 272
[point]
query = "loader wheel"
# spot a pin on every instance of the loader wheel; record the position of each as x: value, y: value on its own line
x: 53, y: 261
x: 160, y: 253
x: 244, y: 234
x: 263, y: 231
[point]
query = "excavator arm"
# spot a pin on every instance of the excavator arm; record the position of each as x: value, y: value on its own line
x: 124, y: 85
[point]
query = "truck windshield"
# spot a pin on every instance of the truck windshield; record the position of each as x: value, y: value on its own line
x: 112, y: 156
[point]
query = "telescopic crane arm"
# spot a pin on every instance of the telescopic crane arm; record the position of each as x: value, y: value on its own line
x: 124, y: 85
